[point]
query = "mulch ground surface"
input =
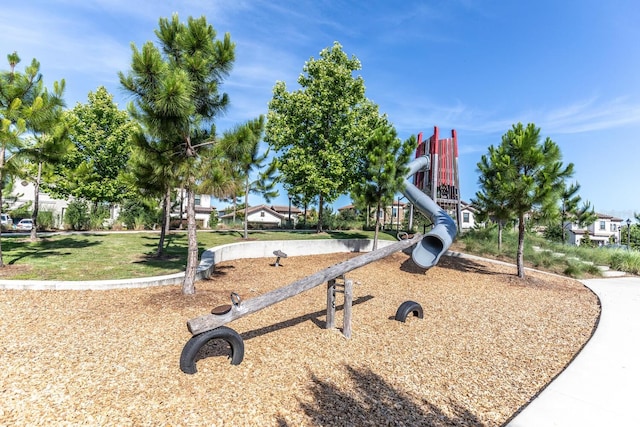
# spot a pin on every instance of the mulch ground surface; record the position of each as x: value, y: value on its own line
x: 488, y: 342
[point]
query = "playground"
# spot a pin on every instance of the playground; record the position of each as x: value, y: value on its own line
x: 486, y: 345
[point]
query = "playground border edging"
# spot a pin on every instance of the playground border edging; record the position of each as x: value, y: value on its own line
x: 209, y: 259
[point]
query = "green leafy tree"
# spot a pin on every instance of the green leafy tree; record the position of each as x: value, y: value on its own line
x: 176, y: 97
x: 384, y: 169
x: 525, y: 173
x: 93, y: 168
x: 318, y: 130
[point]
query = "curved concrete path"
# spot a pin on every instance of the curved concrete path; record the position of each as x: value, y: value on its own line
x: 601, y: 387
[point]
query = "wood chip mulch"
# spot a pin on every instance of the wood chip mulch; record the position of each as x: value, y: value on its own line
x: 488, y: 343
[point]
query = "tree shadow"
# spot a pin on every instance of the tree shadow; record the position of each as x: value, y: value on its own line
x: 344, y: 235
x: 219, y: 347
x: 464, y: 265
x: 456, y: 263
x: 174, y: 256
x: 43, y: 248
x: 375, y: 402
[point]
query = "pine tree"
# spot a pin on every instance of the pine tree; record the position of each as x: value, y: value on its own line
x: 176, y: 94
x: 384, y: 169
x: 521, y: 174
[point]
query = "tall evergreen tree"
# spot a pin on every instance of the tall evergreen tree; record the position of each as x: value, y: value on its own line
x: 492, y: 201
x: 384, y: 169
x: 241, y: 146
x: 176, y: 94
x: 151, y: 174
x: 570, y: 209
x: 26, y: 106
x: 525, y: 173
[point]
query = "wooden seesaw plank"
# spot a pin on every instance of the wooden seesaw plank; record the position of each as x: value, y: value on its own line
x: 205, y: 323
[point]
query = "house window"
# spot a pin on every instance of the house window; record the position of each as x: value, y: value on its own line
x: 198, y: 201
x: 603, y: 225
x: 613, y: 227
x: 394, y: 212
x: 262, y: 214
x: 465, y: 217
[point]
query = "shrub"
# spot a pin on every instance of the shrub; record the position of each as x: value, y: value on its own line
x: 97, y: 217
x: 139, y: 214
x: 76, y: 216
x: 46, y: 220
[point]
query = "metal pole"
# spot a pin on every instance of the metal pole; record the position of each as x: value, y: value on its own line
x: 628, y: 234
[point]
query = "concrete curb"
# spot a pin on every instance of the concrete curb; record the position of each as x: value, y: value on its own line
x: 209, y: 259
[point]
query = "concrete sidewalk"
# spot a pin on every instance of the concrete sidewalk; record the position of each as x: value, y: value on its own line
x: 601, y: 387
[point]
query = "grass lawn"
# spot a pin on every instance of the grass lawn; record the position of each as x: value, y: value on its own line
x: 100, y: 256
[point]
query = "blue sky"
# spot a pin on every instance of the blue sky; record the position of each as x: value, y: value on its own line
x: 571, y: 67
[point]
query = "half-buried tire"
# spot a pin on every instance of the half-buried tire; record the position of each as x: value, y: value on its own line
x: 407, y: 308
x: 191, y: 348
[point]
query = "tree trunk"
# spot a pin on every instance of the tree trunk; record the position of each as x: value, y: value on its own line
x: 367, y: 215
x: 520, y: 256
x: 319, y: 226
x: 375, y: 234
x: 2, y: 154
x: 181, y: 207
x: 36, y: 201
x: 305, y: 215
x: 500, y: 228
x: 246, y: 208
x: 188, y: 285
x: 166, y: 222
x: 235, y: 208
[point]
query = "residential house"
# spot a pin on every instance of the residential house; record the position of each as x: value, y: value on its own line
x: 203, y: 209
x: 604, y: 231
x: 24, y: 194
x: 468, y: 212
x: 291, y: 213
x: 391, y: 216
x: 258, y: 217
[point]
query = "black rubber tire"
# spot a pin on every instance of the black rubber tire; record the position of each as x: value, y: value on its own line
x: 191, y: 348
x: 409, y: 307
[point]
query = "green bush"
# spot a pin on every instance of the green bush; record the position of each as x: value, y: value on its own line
x: 97, y: 217
x: 139, y: 214
x: 46, y: 220
x: 76, y: 216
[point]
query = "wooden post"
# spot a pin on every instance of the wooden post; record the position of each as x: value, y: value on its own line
x: 331, y: 304
x: 348, y: 302
x: 212, y: 321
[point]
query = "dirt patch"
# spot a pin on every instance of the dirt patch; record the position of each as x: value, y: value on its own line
x: 10, y: 270
x: 486, y: 345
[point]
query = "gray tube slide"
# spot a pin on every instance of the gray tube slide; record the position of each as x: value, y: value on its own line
x: 428, y: 251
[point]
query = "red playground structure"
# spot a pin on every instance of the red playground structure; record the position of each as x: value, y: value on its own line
x: 441, y: 181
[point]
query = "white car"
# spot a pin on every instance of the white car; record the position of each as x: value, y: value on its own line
x: 25, y: 224
x: 6, y: 220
